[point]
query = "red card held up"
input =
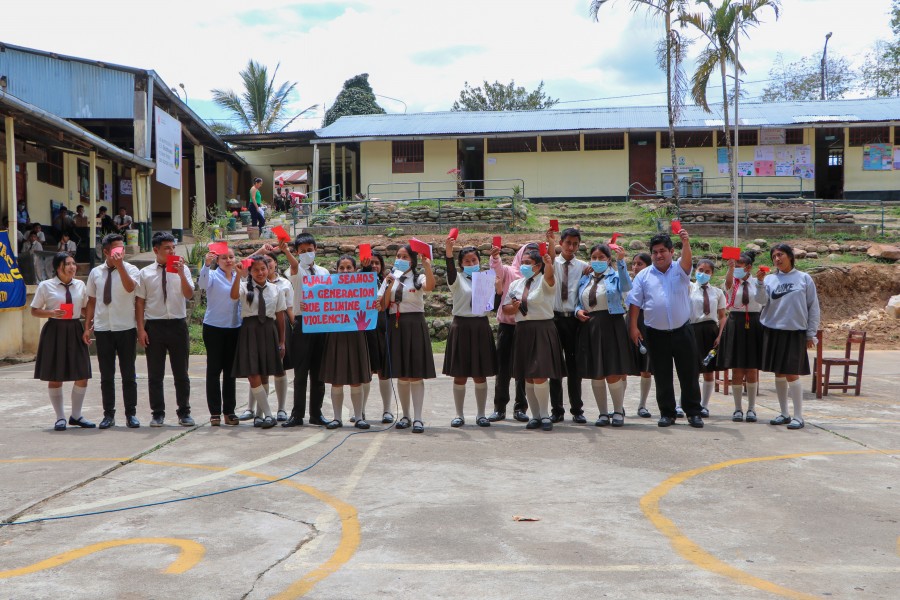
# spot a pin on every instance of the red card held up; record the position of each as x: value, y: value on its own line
x: 69, y: 310
x: 554, y: 225
x: 281, y: 234
x: 498, y: 241
x: 365, y: 251
x: 170, y: 263
x: 218, y: 248
x: 420, y: 247
x: 764, y: 269
x: 454, y: 233
x: 613, y: 239
x: 730, y: 253
x: 247, y: 262
x: 542, y: 248
x: 676, y: 226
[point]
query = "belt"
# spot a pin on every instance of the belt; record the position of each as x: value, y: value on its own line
x: 688, y: 322
x: 557, y: 313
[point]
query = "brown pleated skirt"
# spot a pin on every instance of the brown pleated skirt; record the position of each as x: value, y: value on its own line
x: 409, y: 347
x: 345, y: 360
x: 537, y: 352
x: 471, y: 350
x: 604, y: 348
x: 784, y: 352
x: 376, y: 342
x: 62, y: 354
x: 641, y: 361
x: 740, y: 347
x: 706, y: 333
x: 257, y: 350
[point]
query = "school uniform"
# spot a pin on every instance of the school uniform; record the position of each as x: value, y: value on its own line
x: 346, y: 359
x: 538, y: 352
x: 604, y: 348
x: 62, y: 354
x: 790, y: 317
x: 258, y: 340
x: 287, y: 290
x: 506, y: 335
x: 408, y: 341
x: 568, y: 276
x: 306, y: 352
x: 165, y: 321
x: 741, y: 343
x: 221, y: 326
x: 115, y: 331
x: 706, y: 301
x: 470, y: 348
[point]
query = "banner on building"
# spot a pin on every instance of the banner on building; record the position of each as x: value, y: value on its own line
x: 772, y: 136
x: 168, y: 149
x: 339, y: 302
x: 773, y: 161
x: 878, y: 157
x: 12, y: 286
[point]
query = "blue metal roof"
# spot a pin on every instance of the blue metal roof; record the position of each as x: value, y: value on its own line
x: 598, y: 119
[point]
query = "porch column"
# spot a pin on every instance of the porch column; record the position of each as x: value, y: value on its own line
x: 333, y: 170
x: 92, y: 212
x: 315, y: 178
x: 344, y: 171
x: 353, y: 188
x: 12, y: 202
x: 177, y: 214
x: 200, y: 183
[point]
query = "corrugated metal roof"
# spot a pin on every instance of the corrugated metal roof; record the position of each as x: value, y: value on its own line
x: 594, y: 119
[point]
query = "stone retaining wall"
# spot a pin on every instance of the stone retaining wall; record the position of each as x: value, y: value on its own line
x: 769, y: 216
x: 393, y: 213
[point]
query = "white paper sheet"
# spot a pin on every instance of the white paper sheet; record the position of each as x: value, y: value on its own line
x: 483, y: 291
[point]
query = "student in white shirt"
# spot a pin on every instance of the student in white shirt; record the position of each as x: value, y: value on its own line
x: 537, y: 352
x: 261, y: 341
x: 161, y: 314
x: 471, y: 351
x: 110, y: 317
x: 377, y: 341
x: 287, y: 290
x: 66, y: 244
x: 409, y: 358
x: 707, y: 319
x: 36, y: 228
x: 62, y: 353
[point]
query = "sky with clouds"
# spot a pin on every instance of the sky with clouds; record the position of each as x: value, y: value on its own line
x: 419, y: 52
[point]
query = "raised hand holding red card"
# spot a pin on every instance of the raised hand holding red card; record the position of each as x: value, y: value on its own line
x: 554, y: 225
x: 497, y: 241
x: 281, y: 234
x: 365, y: 251
x: 454, y: 233
x: 731, y: 253
x: 676, y: 226
x: 421, y: 248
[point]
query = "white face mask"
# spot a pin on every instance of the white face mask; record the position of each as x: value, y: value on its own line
x: 307, y: 258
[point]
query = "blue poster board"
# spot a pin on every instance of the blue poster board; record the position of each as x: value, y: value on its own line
x: 12, y: 286
x: 340, y: 302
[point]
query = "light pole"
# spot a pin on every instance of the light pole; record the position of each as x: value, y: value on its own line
x: 824, y: 63
x: 394, y: 99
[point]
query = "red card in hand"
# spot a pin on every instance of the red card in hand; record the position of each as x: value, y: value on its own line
x: 420, y: 247
x: 676, y: 226
x: 729, y: 253
x: 281, y: 234
x: 170, y: 263
x: 613, y: 239
x: 70, y: 310
x: 365, y: 251
x: 218, y: 248
x: 542, y: 248
x: 498, y: 241
x: 764, y: 269
x: 554, y: 225
x: 454, y: 233
x: 247, y: 262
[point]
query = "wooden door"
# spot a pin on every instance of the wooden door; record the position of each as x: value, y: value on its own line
x: 642, y: 165
x: 21, y: 179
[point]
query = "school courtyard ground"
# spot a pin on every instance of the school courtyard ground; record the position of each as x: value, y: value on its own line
x: 735, y: 510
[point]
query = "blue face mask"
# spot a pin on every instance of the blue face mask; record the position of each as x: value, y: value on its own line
x: 469, y: 269
x: 739, y: 273
x: 401, y: 265
x: 527, y: 271
x: 703, y: 278
x: 599, y: 266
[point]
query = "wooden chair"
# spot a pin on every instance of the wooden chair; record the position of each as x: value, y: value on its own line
x: 817, y: 366
x: 723, y: 378
x: 853, y: 338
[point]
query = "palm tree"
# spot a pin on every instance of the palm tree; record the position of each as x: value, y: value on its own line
x: 670, y: 55
x: 260, y: 108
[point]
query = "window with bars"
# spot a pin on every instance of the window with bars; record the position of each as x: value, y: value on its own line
x: 860, y: 136
x: 604, y: 141
x: 560, y: 143
x: 408, y: 156
x: 748, y: 137
x: 506, y: 145
x: 688, y: 139
x: 793, y: 136
x: 51, y: 172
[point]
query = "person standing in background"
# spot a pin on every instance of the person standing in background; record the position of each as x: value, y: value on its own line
x: 253, y: 204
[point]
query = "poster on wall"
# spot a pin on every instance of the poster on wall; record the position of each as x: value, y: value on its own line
x: 125, y: 187
x: 772, y: 137
x: 722, y: 160
x: 764, y: 168
x: 764, y: 153
x: 804, y: 171
x: 772, y: 161
x: 168, y: 149
x: 897, y: 158
x: 877, y: 157
x: 745, y: 169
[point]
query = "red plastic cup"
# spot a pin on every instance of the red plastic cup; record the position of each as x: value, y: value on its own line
x: 171, y: 260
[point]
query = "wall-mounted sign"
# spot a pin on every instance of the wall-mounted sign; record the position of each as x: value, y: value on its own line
x: 168, y: 149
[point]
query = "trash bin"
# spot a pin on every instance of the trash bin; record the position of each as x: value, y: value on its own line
x: 131, y: 237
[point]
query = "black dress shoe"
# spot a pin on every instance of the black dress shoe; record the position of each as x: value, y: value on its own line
x: 81, y: 422
x: 533, y: 424
x: 107, y: 422
x: 580, y: 419
x: 666, y: 421
x: 496, y: 416
x: 557, y: 418
x: 695, y: 421
x: 132, y: 422
x: 320, y: 421
x: 293, y: 422
x: 520, y: 416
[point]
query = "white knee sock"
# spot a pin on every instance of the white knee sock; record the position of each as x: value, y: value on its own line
x: 617, y: 391
x: 365, y: 398
x: 356, y: 399
x: 795, y: 390
x: 281, y: 390
x: 599, y: 388
x: 533, y: 406
x: 262, y: 400
x: 542, y: 392
x: 737, y: 392
x: 459, y: 399
x: 418, y: 398
x: 481, y: 390
x: 266, y: 386
x: 384, y: 388
x: 403, y: 391
x: 77, y: 401
x: 781, y: 388
x: 337, y: 401
x: 251, y: 401
x: 706, y: 392
x: 56, y: 401
x: 751, y: 395
x: 645, y: 390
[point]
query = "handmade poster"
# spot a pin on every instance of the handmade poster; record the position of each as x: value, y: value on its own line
x: 745, y: 169
x: 722, y: 160
x: 805, y: 171
x: 877, y: 157
x: 803, y: 155
x: 784, y: 154
x: 764, y: 168
x: 784, y: 168
x: 12, y: 286
x: 764, y: 153
x: 340, y: 302
x: 897, y: 158
x: 483, y: 290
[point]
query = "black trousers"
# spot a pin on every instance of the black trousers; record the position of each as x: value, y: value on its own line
x: 506, y: 336
x: 567, y: 328
x: 221, y: 345
x: 121, y: 345
x: 256, y: 218
x: 168, y: 336
x: 307, y: 350
x: 678, y: 346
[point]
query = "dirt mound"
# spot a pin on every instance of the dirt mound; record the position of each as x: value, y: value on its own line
x: 854, y: 298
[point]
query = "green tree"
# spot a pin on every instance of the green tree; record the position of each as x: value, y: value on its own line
x: 355, y: 98
x: 802, y: 79
x: 497, y: 96
x: 880, y: 73
x: 670, y: 54
x: 262, y: 106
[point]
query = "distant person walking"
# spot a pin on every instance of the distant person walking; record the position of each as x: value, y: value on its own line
x: 253, y: 204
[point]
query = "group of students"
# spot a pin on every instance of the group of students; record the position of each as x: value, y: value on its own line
x: 559, y: 318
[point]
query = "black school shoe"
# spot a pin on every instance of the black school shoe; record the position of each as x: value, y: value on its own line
x: 107, y: 422
x: 81, y: 422
x: 520, y: 416
x: 696, y: 421
x: 666, y: 421
x: 497, y: 416
x: 580, y: 419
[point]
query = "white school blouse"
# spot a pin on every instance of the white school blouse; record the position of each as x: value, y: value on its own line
x: 576, y: 269
x: 273, y: 296
x: 118, y: 315
x: 540, y: 298
x: 716, y: 302
x: 754, y: 288
x: 602, y: 300
x: 150, y: 289
x: 413, y: 299
x: 284, y: 286
x: 51, y: 293
x: 461, y: 292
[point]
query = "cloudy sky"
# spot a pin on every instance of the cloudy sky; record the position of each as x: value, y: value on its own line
x: 418, y: 52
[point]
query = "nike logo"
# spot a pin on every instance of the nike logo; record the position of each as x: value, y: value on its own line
x: 783, y: 290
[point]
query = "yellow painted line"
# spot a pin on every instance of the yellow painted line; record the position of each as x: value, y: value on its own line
x: 829, y: 569
x: 190, y: 554
x: 691, y: 551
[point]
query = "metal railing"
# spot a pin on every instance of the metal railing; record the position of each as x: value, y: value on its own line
x: 720, y: 187
x: 453, y: 189
x: 313, y: 203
